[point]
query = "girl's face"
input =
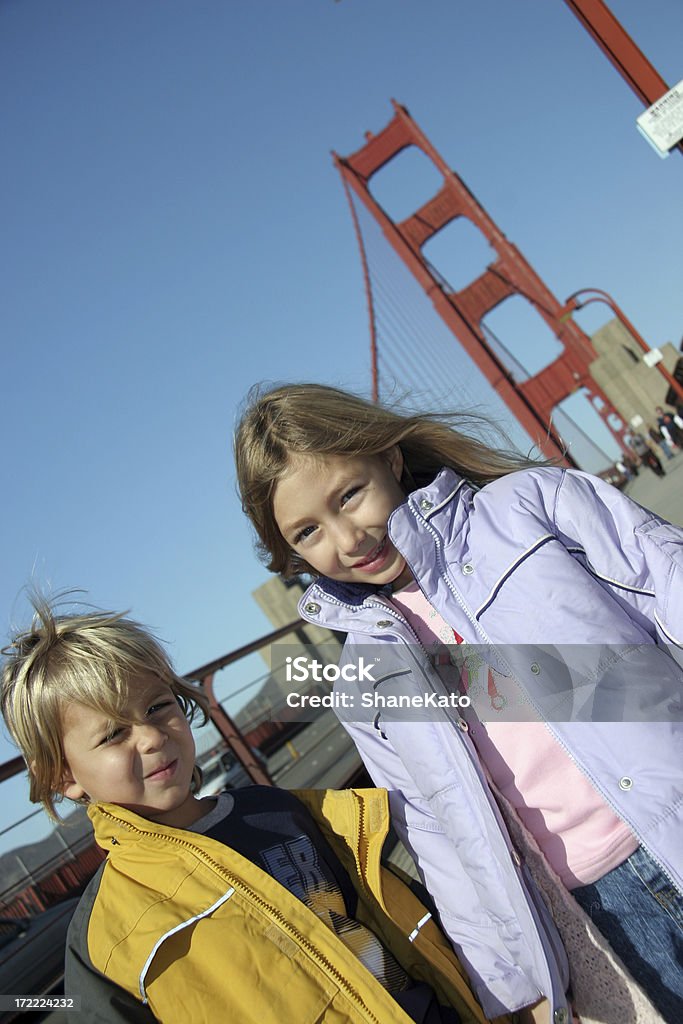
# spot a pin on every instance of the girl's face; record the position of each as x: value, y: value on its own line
x: 333, y: 511
x: 145, y: 764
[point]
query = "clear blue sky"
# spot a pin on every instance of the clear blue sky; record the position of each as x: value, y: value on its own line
x: 173, y: 231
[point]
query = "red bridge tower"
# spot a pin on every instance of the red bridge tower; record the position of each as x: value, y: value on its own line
x: 533, y: 400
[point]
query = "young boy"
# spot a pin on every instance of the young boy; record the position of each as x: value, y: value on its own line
x: 257, y: 906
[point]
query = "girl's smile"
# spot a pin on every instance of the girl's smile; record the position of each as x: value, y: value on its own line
x: 375, y: 560
x: 333, y: 512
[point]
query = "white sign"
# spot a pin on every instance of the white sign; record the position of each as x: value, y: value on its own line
x: 653, y: 357
x: 662, y: 123
x: 636, y: 421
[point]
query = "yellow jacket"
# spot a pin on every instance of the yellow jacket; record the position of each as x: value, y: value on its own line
x: 196, y: 932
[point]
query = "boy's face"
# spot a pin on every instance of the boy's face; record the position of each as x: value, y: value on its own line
x: 145, y: 766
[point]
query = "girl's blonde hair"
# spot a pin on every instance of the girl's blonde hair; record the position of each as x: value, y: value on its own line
x: 317, y: 420
x: 91, y: 659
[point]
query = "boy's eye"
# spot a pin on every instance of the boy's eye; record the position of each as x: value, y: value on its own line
x: 160, y: 705
x: 347, y: 495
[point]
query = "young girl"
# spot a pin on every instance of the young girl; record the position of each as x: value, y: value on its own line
x: 422, y: 538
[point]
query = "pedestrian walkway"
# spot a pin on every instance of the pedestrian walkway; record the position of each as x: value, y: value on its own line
x: 664, y: 495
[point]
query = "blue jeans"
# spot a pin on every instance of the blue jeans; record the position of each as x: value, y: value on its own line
x: 640, y: 913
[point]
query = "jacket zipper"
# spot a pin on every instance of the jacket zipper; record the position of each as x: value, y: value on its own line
x: 617, y: 813
x: 387, y: 608
x: 581, y: 768
x: 277, y: 915
x: 437, y: 541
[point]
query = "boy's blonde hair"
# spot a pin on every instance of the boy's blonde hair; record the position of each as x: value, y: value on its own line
x: 314, y: 419
x: 90, y: 659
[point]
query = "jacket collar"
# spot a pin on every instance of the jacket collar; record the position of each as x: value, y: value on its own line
x: 347, y: 593
x: 115, y: 825
x: 426, y: 502
x: 358, y: 818
x: 338, y: 808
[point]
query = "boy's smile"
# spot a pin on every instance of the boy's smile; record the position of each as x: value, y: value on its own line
x: 143, y: 762
x: 333, y: 511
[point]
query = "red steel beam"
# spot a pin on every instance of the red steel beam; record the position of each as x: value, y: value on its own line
x: 233, y: 736
x: 619, y: 47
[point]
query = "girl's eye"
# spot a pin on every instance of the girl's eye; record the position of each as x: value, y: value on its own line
x: 303, y: 534
x: 112, y: 736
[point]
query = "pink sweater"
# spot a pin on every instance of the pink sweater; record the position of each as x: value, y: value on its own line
x: 578, y: 832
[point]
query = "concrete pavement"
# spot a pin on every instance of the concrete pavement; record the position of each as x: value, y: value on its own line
x: 664, y: 495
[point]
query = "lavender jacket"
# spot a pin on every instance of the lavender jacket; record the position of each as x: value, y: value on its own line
x: 575, y: 591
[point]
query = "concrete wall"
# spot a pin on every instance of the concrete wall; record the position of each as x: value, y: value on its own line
x: 279, y: 601
x: 633, y: 388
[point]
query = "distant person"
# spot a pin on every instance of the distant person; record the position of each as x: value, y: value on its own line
x: 662, y: 438
x: 421, y: 539
x: 259, y: 906
x: 667, y: 422
x: 647, y: 456
x: 673, y: 397
x: 623, y: 467
x: 631, y: 463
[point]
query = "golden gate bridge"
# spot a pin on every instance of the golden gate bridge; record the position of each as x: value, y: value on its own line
x: 430, y: 337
